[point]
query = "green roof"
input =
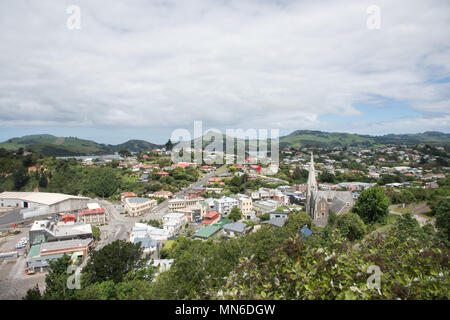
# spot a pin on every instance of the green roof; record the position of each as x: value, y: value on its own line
x: 207, y: 231
x: 223, y: 222
x: 34, y: 251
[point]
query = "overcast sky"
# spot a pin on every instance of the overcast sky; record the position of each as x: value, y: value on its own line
x: 139, y: 69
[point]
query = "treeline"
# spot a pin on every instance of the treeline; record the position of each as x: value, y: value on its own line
x: 272, y: 263
x: 14, y: 170
x: 48, y: 174
x: 429, y: 195
x: 238, y: 184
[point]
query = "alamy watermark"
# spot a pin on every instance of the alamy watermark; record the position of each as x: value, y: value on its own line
x: 237, y: 146
x: 74, y: 20
x: 74, y: 280
x: 374, y: 280
x: 374, y: 20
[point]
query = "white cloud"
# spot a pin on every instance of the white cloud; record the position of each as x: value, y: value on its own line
x: 230, y: 63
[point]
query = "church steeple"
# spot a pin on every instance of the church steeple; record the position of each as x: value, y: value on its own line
x: 312, y: 184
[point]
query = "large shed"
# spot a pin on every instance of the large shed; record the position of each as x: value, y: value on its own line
x: 43, y: 202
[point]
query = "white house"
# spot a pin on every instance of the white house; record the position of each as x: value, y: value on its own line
x: 174, y: 222
x: 224, y: 204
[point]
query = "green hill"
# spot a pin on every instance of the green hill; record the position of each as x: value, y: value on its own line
x: 136, y: 146
x: 47, y: 144
x: 426, y: 137
x: 301, y: 138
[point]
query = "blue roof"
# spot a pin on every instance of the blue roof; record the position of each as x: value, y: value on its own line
x: 306, y: 231
x: 146, y: 242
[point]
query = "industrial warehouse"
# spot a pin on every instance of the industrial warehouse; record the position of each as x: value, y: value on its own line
x: 42, y: 203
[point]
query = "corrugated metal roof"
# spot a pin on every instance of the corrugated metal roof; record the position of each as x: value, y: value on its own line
x: 235, y: 227
x: 59, y: 245
x: 39, y: 197
x: 208, y: 231
x: 146, y: 242
x: 34, y: 251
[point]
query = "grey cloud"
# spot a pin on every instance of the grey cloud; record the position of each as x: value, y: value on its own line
x: 242, y: 63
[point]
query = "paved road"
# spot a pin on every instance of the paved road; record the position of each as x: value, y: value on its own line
x: 11, y: 218
x: 119, y: 225
x: 423, y: 220
x: 162, y: 208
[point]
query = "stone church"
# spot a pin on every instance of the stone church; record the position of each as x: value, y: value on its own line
x: 320, y: 203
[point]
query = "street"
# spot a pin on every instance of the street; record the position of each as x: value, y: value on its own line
x: 119, y: 225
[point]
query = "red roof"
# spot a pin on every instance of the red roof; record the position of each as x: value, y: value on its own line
x: 162, y: 172
x: 212, y: 215
x: 128, y: 194
x: 181, y: 165
x: 95, y: 211
x: 70, y: 215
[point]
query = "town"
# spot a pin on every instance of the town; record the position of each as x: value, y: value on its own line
x: 75, y: 208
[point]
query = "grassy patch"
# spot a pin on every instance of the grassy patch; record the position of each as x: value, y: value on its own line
x: 403, y: 210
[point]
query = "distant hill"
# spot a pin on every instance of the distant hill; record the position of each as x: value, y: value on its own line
x: 301, y: 138
x: 426, y: 137
x: 136, y: 146
x: 47, y: 144
x: 335, y: 139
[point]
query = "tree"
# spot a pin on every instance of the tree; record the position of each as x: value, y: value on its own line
x: 442, y: 214
x: 33, y: 294
x: 113, y: 262
x: 372, y: 205
x: 169, y: 145
x: 332, y: 217
x: 21, y: 178
x: 103, y: 182
x: 407, y: 197
x: 124, y: 153
x: 265, y: 216
x: 351, y: 226
x: 299, y: 174
x: 96, y: 233
x: 235, y: 181
x: 43, y: 181
x: 327, y: 177
x: 154, y: 223
x: 56, y: 280
x: 235, y: 214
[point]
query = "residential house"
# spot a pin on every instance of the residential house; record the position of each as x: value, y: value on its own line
x: 96, y: 216
x: 174, y: 222
x: 236, y: 228
x: 224, y: 205
x: 138, y: 206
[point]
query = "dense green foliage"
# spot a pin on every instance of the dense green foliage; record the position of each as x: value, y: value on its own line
x: 235, y: 214
x: 413, y: 265
x: 118, y: 271
x: 372, y: 205
x: 442, y: 214
x: 50, y: 145
x: 113, y: 262
x: 351, y: 226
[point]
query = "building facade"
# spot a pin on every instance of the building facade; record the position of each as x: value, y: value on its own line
x: 225, y: 204
x: 138, y: 206
x: 319, y: 204
x: 95, y: 216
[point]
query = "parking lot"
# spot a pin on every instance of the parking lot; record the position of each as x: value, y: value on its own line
x: 14, y: 283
